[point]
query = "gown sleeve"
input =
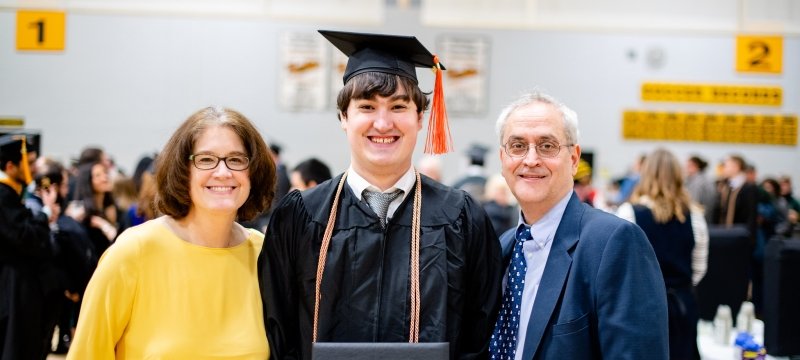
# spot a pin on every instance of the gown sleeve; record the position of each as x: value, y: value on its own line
x: 484, y: 288
x: 277, y: 275
x: 24, y: 235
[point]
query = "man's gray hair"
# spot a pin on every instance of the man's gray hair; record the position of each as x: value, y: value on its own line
x: 569, y: 116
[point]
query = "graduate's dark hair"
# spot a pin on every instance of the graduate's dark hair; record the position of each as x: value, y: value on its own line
x: 173, y: 164
x: 372, y: 83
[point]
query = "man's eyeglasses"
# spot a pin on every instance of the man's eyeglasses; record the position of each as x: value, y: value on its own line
x: 208, y: 161
x: 545, y: 149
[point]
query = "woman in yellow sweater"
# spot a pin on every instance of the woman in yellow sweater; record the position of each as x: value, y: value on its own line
x: 184, y: 285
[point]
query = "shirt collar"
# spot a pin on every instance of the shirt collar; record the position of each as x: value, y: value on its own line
x: 544, y: 230
x: 358, y: 184
x: 736, y: 181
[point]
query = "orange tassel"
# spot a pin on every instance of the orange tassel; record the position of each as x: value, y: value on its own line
x: 438, y: 141
x: 24, y: 166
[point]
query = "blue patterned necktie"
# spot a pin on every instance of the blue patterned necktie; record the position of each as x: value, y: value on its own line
x: 503, y: 344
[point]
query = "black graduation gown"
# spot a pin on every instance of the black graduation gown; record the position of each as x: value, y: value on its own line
x: 365, y: 287
x: 26, y: 278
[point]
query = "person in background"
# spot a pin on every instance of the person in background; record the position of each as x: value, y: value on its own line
x: 74, y: 255
x: 283, y: 185
x: 738, y: 205
x: 738, y: 198
x: 123, y: 191
x: 309, y: 173
x: 410, y: 260
x: 93, y: 192
x: 701, y: 187
x: 144, y: 208
x: 430, y: 166
x: 583, y: 183
x: 628, y: 182
x: 793, y: 215
x: 498, y: 204
x: 474, y: 180
x: 26, y: 284
x: 773, y: 212
x: 677, y: 229
x: 184, y: 285
x: 577, y: 276
x: 144, y: 165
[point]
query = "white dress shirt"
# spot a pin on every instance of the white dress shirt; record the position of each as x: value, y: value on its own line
x: 406, y: 182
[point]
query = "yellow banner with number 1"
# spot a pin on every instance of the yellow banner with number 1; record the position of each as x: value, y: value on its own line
x: 40, y: 30
x: 760, y: 54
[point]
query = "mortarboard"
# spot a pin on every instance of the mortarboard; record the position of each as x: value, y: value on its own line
x: 392, y: 54
x: 397, y: 55
x: 477, y: 153
x: 20, y: 143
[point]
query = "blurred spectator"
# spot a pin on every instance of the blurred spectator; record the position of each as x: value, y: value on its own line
x: 93, y: 191
x: 74, y: 254
x: 583, y: 183
x: 430, y: 166
x: 498, y: 204
x: 144, y: 208
x: 629, y: 182
x: 283, y: 185
x: 28, y: 282
x: 738, y: 204
x: 793, y: 215
x: 144, y: 165
x: 474, y: 180
x: 124, y: 194
x: 677, y: 229
x: 309, y: 173
x: 701, y: 188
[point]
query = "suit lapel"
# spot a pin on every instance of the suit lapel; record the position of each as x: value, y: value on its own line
x: 555, y: 274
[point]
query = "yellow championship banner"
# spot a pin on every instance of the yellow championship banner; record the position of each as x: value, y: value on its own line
x: 40, y: 30
x: 11, y: 122
x: 769, y: 129
x: 714, y: 94
x: 759, y: 54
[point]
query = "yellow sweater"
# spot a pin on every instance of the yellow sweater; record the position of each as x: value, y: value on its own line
x: 155, y: 296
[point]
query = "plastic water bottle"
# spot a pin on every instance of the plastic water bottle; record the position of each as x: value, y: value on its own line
x: 744, y: 320
x: 723, y: 322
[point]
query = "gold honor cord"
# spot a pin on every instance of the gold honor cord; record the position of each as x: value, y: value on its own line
x: 413, y: 336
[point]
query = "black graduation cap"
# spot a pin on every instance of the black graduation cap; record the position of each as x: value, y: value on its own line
x: 477, y: 153
x: 397, y: 55
x: 392, y: 54
x: 20, y: 143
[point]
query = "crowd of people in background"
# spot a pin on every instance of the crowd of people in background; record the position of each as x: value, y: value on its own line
x: 98, y: 201
x: 236, y: 236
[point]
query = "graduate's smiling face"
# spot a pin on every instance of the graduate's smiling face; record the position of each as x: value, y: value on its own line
x: 382, y: 132
x: 219, y: 190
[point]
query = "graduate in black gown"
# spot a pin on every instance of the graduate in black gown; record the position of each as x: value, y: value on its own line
x: 430, y: 272
x: 28, y: 283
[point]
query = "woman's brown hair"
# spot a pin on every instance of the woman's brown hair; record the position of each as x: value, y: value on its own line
x: 662, y: 182
x: 172, y: 165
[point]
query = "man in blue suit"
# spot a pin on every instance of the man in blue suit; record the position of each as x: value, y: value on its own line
x: 581, y: 283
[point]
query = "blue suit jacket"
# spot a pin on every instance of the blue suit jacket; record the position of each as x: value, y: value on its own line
x: 602, y: 295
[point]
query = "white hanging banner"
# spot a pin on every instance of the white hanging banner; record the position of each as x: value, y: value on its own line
x: 465, y: 80
x: 302, y: 71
